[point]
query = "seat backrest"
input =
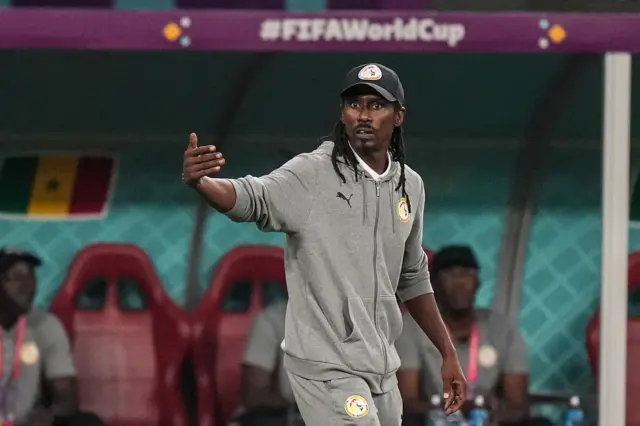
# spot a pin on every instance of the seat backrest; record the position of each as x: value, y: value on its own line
x: 129, y: 338
x: 633, y: 345
x: 245, y: 280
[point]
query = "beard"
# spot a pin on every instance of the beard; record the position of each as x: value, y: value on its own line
x: 10, y: 312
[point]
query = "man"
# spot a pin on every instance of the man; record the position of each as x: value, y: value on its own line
x: 33, y: 343
x: 490, y: 345
x: 353, y: 214
x: 267, y: 396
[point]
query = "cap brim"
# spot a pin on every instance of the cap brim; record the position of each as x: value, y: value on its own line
x: 35, y: 261
x: 7, y: 260
x: 24, y: 257
x: 380, y: 90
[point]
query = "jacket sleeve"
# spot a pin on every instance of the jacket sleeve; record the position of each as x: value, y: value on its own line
x: 279, y: 201
x: 414, y: 276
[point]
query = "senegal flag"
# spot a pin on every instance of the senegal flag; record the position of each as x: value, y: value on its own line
x: 55, y: 186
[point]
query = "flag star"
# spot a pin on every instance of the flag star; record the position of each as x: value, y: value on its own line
x: 185, y: 41
x: 53, y: 185
x: 185, y: 22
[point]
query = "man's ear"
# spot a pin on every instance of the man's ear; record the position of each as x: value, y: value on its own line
x: 399, y: 117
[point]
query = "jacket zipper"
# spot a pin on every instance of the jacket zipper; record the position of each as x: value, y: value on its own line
x: 375, y: 275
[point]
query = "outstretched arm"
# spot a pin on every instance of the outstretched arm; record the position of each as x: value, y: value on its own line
x: 219, y: 193
x: 279, y: 201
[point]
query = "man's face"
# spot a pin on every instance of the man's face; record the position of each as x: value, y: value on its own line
x: 458, y: 285
x: 18, y: 287
x: 370, y: 119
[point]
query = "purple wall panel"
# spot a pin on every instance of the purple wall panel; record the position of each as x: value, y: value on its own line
x: 240, y: 4
x: 352, y: 4
x: 231, y: 4
x: 403, y: 4
x: 62, y: 3
x: 377, y: 4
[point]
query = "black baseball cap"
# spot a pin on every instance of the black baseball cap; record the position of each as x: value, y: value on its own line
x: 9, y: 257
x: 382, y: 79
x: 454, y: 255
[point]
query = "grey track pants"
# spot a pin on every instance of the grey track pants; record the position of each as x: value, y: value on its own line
x: 344, y: 402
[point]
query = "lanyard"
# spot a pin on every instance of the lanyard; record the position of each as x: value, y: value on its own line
x: 474, y: 343
x: 15, y: 371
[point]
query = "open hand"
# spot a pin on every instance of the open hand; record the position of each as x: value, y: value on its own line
x: 200, y: 161
x: 455, y: 384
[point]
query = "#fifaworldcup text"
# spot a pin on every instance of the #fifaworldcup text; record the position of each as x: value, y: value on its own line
x: 354, y: 30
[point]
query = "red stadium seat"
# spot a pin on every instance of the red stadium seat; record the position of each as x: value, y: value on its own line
x: 633, y: 345
x: 129, y: 338
x: 244, y: 281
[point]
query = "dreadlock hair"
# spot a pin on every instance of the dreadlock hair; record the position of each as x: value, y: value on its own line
x: 341, y: 149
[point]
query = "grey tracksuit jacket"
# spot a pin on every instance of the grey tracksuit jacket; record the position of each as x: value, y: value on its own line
x: 351, y: 247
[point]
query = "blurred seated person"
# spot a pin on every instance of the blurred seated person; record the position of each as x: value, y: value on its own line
x: 267, y: 396
x: 490, y: 347
x: 33, y: 345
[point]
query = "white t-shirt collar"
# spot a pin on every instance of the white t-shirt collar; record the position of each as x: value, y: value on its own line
x: 372, y: 173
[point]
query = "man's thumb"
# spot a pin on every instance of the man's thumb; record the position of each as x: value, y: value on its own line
x: 193, y: 141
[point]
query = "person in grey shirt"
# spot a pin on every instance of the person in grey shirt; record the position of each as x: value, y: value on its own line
x: 267, y: 396
x: 490, y: 346
x: 33, y: 344
x: 353, y: 214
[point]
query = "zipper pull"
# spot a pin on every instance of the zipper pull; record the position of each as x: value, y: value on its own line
x: 377, y: 189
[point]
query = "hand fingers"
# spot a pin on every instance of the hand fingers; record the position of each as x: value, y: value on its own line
x: 203, y: 158
x: 207, y: 165
x: 200, y: 150
x: 193, y: 141
x: 448, y: 405
x: 463, y: 390
x: 200, y: 161
x: 455, y: 406
x: 195, y: 172
x: 456, y: 398
x: 197, y: 175
x: 448, y: 398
